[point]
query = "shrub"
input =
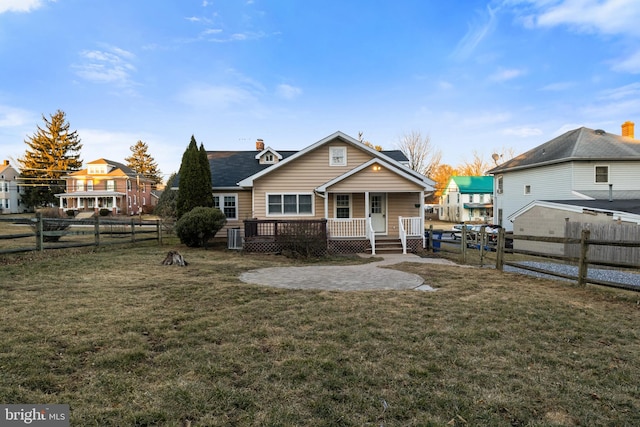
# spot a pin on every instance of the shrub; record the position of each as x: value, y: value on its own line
x: 302, y: 239
x: 105, y: 212
x: 199, y: 225
x: 71, y: 213
x: 52, y: 221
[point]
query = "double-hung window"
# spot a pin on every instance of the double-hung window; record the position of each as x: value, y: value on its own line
x: 337, y: 156
x: 343, y: 206
x: 289, y: 204
x: 111, y: 185
x: 602, y: 174
x: 80, y: 185
x: 228, y: 204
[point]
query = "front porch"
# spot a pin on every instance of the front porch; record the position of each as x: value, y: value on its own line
x: 344, y: 235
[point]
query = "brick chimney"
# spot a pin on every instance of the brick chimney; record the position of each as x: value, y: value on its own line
x: 6, y: 162
x: 260, y: 144
x: 627, y: 129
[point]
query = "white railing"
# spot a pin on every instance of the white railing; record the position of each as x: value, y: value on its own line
x: 348, y: 227
x: 371, y: 235
x: 403, y: 235
x: 413, y: 226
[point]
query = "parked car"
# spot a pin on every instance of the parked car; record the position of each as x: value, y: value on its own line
x: 456, y: 230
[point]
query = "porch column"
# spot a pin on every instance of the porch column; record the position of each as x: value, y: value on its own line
x: 326, y: 204
x: 78, y: 203
x: 424, y: 241
x: 113, y: 202
x: 366, y: 204
x: 61, y: 204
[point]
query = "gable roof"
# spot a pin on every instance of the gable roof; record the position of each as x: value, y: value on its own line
x: 119, y: 169
x: 626, y: 210
x: 365, y: 165
x: 474, y: 184
x: 578, y: 144
x: 248, y: 181
x: 230, y: 167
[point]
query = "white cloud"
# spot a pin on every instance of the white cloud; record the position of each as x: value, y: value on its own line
x: 216, y: 96
x: 475, y: 34
x: 628, y: 64
x: 288, y: 92
x: 15, y: 117
x: 110, y: 66
x: 20, y: 5
x: 558, y: 87
x: 628, y: 91
x: 522, y: 132
x: 506, y: 74
x: 592, y: 16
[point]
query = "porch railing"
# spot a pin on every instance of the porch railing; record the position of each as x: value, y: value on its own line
x: 348, y: 227
x: 371, y: 235
x: 412, y: 227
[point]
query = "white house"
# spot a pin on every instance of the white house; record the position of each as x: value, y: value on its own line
x: 9, y: 189
x: 582, y: 164
x: 467, y: 199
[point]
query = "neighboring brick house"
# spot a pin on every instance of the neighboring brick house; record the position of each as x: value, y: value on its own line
x: 467, y: 199
x: 9, y: 189
x: 105, y: 184
x: 363, y: 194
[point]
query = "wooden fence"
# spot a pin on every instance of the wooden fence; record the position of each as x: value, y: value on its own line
x: 39, y: 233
x: 618, y: 252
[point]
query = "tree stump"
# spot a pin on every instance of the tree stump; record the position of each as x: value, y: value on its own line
x: 174, y: 258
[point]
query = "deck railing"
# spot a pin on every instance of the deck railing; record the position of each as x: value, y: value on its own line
x: 348, y: 227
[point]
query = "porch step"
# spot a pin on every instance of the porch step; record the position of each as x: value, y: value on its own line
x: 387, y: 246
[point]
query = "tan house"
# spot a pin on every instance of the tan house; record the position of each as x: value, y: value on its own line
x: 363, y: 196
x: 106, y: 184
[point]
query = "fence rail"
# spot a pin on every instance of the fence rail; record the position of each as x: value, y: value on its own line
x: 59, y: 233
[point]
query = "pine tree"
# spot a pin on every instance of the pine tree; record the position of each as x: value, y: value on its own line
x: 166, y: 207
x: 142, y: 162
x: 194, y: 185
x: 52, y: 152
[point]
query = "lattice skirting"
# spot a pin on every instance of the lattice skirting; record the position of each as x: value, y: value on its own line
x: 333, y: 246
x: 414, y: 245
x: 348, y: 246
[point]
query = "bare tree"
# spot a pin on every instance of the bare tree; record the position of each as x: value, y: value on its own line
x: 476, y: 167
x: 367, y: 143
x: 423, y: 157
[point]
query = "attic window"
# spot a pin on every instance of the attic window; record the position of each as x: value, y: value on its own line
x: 602, y: 174
x: 268, y: 158
x: 337, y: 156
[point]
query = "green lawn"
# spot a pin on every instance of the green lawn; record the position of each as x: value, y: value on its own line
x: 126, y: 341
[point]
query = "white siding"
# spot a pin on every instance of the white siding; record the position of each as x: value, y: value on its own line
x: 623, y: 176
x: 546, y: 183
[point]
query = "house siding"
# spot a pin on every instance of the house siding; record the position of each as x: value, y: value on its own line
x: 622, y: 175
x: 546, y: 183
x: 303, y: 176
x: 380, y: 181
x: 244, y: 212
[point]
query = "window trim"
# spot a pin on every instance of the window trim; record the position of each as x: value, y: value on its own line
x: 282, y: 213
x: 595, y: 174
x: 221, y: 196
x: 332, y: 156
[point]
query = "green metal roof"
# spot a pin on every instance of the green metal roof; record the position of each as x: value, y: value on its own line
x: 474, y: 184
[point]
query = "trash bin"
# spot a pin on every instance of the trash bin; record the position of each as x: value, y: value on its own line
x: 435, y: 239
x: 437, y: 236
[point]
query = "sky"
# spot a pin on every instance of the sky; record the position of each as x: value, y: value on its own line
x: 483, y: 76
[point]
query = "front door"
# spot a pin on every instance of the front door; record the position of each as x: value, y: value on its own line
x: 378, y: 212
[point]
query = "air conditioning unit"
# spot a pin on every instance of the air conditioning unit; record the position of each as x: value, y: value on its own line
x: 234, y: 239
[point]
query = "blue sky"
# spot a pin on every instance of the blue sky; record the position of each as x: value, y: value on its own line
x: 473, y: 75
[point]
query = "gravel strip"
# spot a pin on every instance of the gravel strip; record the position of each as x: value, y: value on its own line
x: 626, y: 278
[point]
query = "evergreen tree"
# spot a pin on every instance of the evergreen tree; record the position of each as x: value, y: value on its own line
x: 166, y: 207
x: 194, y: 187
x: 52, y: 152
x: 142, y: 162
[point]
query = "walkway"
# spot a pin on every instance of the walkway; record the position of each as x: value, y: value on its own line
x: 345, y: 277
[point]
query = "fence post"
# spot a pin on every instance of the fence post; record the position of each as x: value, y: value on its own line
x: 482, y: 239
x: 39, y: 232
x: 430, y: 244
x: 133, y: 230
x: 96, y: 230
x: 500, y: 250
x: 463, y: 243
x: 584, y: 263
x: 159, y: 230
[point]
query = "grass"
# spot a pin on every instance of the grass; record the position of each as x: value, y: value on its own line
x: 126, y: 341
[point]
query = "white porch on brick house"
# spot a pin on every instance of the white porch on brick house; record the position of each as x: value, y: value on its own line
x: 93, y: 200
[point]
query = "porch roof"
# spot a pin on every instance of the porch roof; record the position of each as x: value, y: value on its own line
x: 324, y: 187
x: 91, y: 194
